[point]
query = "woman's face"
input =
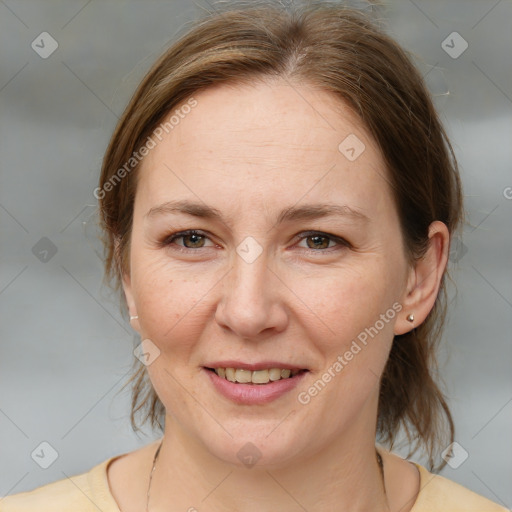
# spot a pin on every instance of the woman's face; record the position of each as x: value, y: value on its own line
x: 267, y: 281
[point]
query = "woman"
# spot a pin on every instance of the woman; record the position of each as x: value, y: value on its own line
x: 278, y: 200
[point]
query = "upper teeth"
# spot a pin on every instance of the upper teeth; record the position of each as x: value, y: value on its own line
x: 255, y: 377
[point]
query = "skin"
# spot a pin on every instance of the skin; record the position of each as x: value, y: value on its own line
x: 251, y: 151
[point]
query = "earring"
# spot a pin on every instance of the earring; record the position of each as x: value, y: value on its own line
x: 134, y: 317
x: 410, y: 318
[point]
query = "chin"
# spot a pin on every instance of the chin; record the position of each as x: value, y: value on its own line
x: 253, y: 447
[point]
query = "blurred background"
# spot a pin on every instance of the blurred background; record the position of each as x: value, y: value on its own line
x: 67, y: 70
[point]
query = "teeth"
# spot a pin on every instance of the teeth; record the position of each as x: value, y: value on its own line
x: 260, y: 377
x: 243, y: 376
x: 274, y: 374
x: 230, y: 374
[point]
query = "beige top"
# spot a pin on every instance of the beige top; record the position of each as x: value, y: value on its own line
x: 90, y: 492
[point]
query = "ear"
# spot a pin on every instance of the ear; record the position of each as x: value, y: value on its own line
x: 424, y: 279
x: 128, y: 292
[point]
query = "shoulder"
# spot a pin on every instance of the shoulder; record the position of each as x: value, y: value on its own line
x: 86, y: 492
x: 439, y: 494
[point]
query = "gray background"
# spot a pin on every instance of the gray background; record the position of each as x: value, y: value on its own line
x: 66, y: 351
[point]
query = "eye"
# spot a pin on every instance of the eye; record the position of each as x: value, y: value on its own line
x: 320, y: 241
x: 192, y: 239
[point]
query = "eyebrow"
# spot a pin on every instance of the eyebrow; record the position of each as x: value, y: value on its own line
x: 290, y: 214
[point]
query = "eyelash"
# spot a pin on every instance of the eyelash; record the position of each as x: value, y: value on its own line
x: 168, y: 241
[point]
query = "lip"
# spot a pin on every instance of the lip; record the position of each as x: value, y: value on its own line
x: 253, y: 394
x: 263, y: 365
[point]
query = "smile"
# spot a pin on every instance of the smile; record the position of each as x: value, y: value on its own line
x: 263, y: 376
x: 254, y: 384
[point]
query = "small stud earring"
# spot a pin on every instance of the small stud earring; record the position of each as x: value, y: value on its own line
x: 410, y: 318
x: 134, y: 317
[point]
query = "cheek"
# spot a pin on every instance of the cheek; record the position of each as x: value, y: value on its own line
x: 352, y: 333
x: 346, y: 303
x: 171, y: 302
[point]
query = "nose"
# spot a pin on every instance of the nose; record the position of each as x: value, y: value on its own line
x: 252, y: 302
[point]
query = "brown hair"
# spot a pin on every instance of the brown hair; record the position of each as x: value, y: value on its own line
x: 340, y: 50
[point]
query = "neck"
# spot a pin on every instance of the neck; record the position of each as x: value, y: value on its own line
x: 345, y: 476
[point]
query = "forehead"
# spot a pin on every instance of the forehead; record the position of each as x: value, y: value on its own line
x: 274, y: 116
x: 273, y: 140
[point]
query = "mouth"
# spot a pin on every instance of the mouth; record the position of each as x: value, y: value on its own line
x: 261, y: 376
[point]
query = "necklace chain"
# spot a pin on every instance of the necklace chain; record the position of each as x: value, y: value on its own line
x: 152, y: 471
x: 379, y: 461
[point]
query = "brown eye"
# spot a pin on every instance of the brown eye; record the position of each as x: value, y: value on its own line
x: 191, y: 240
x: 319, y: 242
x: 194, y: 239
